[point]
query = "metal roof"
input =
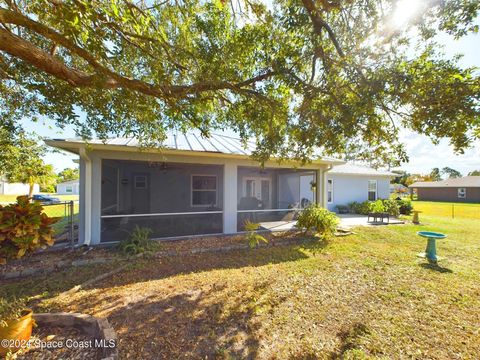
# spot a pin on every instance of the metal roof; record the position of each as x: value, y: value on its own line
x: 192, y: 141
x: 467, y: 181
x: 352, y: 169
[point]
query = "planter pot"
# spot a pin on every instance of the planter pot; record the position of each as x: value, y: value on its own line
x: 18, y: 331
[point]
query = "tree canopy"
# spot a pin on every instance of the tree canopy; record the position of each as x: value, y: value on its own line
x: 68, y: 174
x: 341, y: 76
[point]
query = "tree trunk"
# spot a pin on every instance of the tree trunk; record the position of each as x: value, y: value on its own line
x: 31, y: 185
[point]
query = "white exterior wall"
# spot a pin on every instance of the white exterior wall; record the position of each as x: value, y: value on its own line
x: 91, y: 177
x: 16, y: 188
x: 349, y: 188
x: 62, y: 189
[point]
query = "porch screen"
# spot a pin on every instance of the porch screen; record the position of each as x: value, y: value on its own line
x: 171, y: 199
x: 273, y: 197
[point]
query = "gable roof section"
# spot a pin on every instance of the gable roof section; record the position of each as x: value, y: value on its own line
x: 351, y: 169
x: 176, y: 142
x: 466, y: 181
x: 69, y: 182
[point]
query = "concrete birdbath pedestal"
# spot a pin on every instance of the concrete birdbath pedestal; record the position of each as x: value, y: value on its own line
x: 431, y: 250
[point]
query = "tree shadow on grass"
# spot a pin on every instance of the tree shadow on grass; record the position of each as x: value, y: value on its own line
x: 213, y: 323
x: 350, y: 340
x: 436, y: 267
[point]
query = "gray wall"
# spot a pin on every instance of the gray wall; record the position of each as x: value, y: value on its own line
x: 349, y: 188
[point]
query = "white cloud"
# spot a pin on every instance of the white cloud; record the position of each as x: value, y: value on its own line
x: 424, y: 155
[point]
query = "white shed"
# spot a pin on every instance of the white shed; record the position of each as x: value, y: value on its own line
x: 71, y: 187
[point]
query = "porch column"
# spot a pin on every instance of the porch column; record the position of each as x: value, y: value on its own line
x: 96, y: 199
x: 324, y: 189
x: 230, y: 198
x: 319, y: 188
x: 85, y: 223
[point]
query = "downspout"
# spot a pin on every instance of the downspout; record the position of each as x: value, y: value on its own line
x: 324, y: 186
x: 87, y: 197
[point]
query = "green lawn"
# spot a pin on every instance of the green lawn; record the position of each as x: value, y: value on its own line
x: 447, y: 209
x: 356, y: 297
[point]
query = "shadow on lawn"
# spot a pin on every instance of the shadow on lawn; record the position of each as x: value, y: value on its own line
x: 193, y: 324
x: 161, y: 268
x: 436, y: 267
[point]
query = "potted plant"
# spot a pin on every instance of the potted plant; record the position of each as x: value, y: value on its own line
x: 16, y: 332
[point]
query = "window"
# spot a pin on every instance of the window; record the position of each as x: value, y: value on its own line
x: 462, y: 193
x: 372, y: 190
x: 140, y: 182
x: 204, y: 190
x: 68, y: 189
x: 330, y: 191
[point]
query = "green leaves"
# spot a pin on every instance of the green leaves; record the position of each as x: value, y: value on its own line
x: 328, y: 77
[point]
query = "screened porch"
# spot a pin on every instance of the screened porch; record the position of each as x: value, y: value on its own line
x: 172, y: 199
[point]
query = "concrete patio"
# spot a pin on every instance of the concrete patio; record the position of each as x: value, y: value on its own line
x: 347, y: 221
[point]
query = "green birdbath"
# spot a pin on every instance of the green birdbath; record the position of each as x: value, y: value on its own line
x: 431, y: 250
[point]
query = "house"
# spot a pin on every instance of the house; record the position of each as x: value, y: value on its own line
x: 348, y: 182
x: 71, y: 187
x: 7, y: 188
x: 201, y: 186
x: 464, y: 189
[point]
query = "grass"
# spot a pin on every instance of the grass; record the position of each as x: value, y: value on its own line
x: 356, y: 297
x: 447, y: 209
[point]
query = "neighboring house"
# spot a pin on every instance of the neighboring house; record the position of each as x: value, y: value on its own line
x: 347, y: 183
x: 7, y: 188
x: 71, y: 187
x: 199, y: 186
x: 465, y: 189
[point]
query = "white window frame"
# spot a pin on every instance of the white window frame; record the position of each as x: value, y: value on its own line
x: 192, y: 189
x: 376, y: 190
x: 69, y: 189
x: 145, y: 181
x: 464, y: 193
x: 331, y: 197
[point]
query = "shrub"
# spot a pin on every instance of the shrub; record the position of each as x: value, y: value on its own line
x: 405, y: 206
x: 376, y: 206
x: 318, y: 219
x: 138, y: 242
x: 360, y: 208
x: 24, y: 228
x: 391, y: 207
x: 253, y: 237
x: 342, y: 209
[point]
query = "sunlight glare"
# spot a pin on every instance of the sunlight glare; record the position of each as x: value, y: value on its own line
x: 404, y: 11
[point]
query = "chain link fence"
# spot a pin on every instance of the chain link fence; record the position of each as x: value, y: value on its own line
x: 66, y: 228
x: 452, y: 210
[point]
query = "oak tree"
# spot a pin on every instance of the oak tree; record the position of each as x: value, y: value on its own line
x: 337, y: 77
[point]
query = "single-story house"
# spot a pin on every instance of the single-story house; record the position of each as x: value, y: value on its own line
x: 464, y: 189
x: 201, y: 186
x: 71, y: 187
x: 348, y: 182
x: 7, y: 188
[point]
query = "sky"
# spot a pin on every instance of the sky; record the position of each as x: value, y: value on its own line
x: 423, y: 154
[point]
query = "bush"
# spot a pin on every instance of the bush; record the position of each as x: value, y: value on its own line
x: 24, y: 228
x: 139, y: 242
x: 391, y: 207
x: 405, y: 206
x: 253, y: 237
x: 360, y: 208
x: 318, y: 219
x: 376, y: 207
